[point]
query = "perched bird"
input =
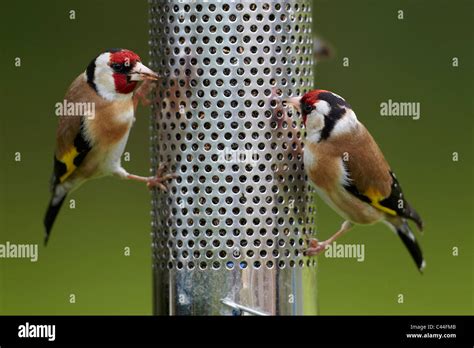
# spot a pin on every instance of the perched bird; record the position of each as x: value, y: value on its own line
x: 350, y: 172
x: 92, y: 134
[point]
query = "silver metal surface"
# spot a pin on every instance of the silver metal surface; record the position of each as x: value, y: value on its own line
x: 228, y: 235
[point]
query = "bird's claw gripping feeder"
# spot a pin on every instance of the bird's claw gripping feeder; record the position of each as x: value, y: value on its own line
x: 229, y: 234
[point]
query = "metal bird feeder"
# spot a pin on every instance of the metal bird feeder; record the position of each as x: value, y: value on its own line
x: 227, y: 237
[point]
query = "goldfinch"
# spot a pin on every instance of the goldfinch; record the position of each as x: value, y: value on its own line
x: 94, y: 126
x: 350, y: 172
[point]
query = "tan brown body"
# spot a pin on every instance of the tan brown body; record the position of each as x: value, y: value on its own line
x: 106, y: 131
x: 329, y: 163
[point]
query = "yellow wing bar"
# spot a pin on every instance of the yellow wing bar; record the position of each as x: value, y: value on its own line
x: 375, y: 198
x: 68, y: 160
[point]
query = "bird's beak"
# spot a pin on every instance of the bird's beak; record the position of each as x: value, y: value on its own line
x: 295, y: 102
x: 140, y: 72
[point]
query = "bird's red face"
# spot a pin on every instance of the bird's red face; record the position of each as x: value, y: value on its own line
x: 122, y: 62
x: 116, y: 72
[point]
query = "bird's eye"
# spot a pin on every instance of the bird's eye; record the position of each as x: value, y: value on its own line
x: 307, y: 108
x: 118, y: 67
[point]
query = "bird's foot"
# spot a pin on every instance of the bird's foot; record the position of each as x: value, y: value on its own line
x: 161, y: 178
x: 315, y: 247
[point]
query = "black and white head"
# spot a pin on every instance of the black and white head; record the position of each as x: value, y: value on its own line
x: 325, y: 114
x: 115, y: 73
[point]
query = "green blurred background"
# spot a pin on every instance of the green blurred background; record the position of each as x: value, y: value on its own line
x: 402, y: 60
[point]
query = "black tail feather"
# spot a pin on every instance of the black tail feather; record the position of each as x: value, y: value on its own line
x: 50, y: 217
x: 413, y: 215
x: 408, y: 238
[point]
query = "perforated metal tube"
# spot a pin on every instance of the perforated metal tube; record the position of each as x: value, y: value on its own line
x: 227, y: 238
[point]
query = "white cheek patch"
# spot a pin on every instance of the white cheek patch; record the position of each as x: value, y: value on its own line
x: 314, y: 121
x: 103, y: 78
x: 314, y: 124
x: 323, y: 107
